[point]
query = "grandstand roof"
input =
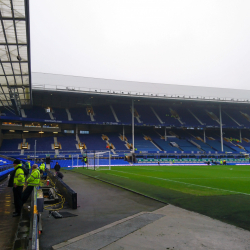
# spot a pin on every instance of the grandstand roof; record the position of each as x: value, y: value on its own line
x: 15, y: 82
x: 44, y: 81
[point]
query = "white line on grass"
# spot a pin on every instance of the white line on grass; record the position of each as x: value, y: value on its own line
x: 217, y: 168
x: 119, y: 176
x: 200, y: 178
x: 190, y: 184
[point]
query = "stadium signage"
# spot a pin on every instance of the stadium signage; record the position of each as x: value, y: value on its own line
x: 53, y: 121
x: 60, y: 156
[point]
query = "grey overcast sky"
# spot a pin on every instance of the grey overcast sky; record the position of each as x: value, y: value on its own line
x: 187, y: 42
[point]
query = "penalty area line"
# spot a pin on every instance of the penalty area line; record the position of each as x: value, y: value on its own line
x: 190, y: 184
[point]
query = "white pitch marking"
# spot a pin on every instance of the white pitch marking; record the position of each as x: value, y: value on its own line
x: 119, y: 176
x: 184, y: 183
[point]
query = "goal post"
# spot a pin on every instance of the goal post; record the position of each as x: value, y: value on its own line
x: 76, y: 162
x: 99, y: 160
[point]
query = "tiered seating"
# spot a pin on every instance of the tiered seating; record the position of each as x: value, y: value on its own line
x: 186, y: 146
x: 235, y: 114
x: 93, y: 142
x: 144, y: 145
x: 114, y: 138
x: 6, y: 112
x: 165, y: 146
x: 37, y: 113
x: 202, y: 115
x: 146, y: 115
x: 203, y: 145
x: 4, y: 161
x: 60, y: 114
x: 170, y: 115
x: 68, y: 143
x: 10, y: 145
x: 123, y: 113
x: 227, y: 121
x: 42, y: 144
x: 79, y: 114
x: 186, y: 117
x: 217, y: 146
x: 166, y: 116
x: 103, y: 114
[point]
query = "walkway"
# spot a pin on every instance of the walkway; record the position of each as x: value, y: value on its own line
x: 8, y: 224
x: 99, y: 204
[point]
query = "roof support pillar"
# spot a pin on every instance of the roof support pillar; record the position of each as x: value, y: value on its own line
x: 133, y: 126
x: 221, y: 132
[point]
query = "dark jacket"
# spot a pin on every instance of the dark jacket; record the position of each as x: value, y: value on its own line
x: 57, y: 167
x: 59, y: 175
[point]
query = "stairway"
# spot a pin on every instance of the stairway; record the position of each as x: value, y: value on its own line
x: 232, y: 118
x: 50, y: 115
x: 196, y: 117
x: 23, y: 113
x: 69, y: 115
x: 77, y: 145
x: 114, y: 114
x: 157, y: 116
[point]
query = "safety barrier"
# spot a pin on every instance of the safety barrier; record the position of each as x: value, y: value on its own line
x: 34, y: 243
x: 69, y: 194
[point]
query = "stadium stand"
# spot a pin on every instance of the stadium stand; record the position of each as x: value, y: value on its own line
x: 123, y: 113
x: 93, y: 142
x: 79, y: 114
x: 60, y: 114
x: 68, y: 143
x: 103, y: 114
x: 37, y: 113
x: 116, y: 141
x: 146, y: 115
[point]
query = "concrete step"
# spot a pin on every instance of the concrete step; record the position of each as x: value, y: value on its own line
x: 106, y: 235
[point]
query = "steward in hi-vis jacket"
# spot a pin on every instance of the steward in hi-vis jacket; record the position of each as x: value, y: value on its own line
x: 32, y: 181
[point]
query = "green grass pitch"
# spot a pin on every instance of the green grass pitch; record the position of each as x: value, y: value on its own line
x: 221, y: 192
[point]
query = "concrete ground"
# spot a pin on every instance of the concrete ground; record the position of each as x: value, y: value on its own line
x: 99, y: 204
x: 169, y: 227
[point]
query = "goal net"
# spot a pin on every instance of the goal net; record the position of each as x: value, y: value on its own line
x: 99, y: 160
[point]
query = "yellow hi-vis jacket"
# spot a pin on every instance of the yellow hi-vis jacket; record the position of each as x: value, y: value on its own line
x: 29, y: 165
x: 34, y: 179
x: 19, y: 178
x: 42, y: 167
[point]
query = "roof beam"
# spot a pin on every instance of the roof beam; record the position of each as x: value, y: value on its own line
x: 14, y: 61
x: 12, y: 18
x: 20, y: 65
x: 27, y: 17
x: 4, y: 94
x: 16, y: 75
x: 13, y: 44
x: 6, y: 40
x: 14, y: 86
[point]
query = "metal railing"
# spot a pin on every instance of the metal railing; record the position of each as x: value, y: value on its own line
x: 137, y: 93
x: 5, y: 167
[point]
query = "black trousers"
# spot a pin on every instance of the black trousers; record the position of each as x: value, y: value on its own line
x: 17, y: 191
x: 26, y: 193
